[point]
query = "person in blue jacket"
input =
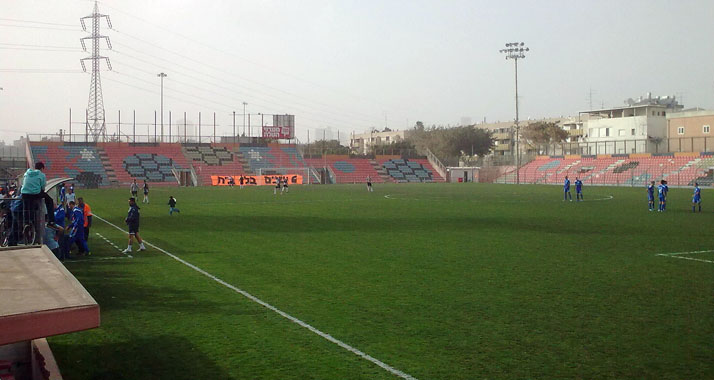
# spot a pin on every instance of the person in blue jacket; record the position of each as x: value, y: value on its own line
x: 62, y: 238
x: 132, y: 221
x: 76, y: 227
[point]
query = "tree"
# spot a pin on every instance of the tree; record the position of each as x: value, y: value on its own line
x: 328, y: 147
x: 656, y: 141
x: 543, y: 133
x: 452, y: 144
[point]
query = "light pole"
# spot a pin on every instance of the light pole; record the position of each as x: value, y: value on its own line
x: 516, y: 51
x: 244, y: 104
x: 162, y: 76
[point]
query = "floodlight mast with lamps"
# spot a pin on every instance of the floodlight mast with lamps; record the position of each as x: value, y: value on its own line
x: 516, y: 51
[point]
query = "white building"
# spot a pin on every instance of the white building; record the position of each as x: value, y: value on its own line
x: 634, y: 128
x: 361, y: 143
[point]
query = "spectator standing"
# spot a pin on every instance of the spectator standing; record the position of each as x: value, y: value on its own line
x: 33, y: 188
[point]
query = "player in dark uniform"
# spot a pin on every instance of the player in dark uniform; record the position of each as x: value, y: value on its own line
x: 369, y: 184
x: 132, y: 222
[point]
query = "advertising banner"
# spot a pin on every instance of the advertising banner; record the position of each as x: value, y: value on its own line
x: 283, y: 127
x: 256, y: 180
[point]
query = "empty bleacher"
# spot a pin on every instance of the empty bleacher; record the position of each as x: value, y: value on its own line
x: 403, y: 170
x: 346, y: 169
x: 150, y: 162
x: 214, y: 159
x: 629, y: 170
x: 71, y: 160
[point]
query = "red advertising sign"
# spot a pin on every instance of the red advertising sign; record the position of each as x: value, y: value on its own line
x: 274, y: 132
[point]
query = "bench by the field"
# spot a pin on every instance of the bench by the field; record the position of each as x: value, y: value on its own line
x: 40, y: 298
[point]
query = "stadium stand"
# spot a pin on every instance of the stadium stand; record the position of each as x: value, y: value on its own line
x: 215, y: 159
x: 404, y: 170
x: 679, y: 169
x: 78, y: 161
x: 150, y: 162
x: 346, y: 169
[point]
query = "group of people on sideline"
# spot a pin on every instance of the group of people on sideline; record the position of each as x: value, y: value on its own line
x: 67, y: 222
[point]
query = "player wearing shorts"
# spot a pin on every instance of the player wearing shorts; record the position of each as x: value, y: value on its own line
x: 697, y: 198
x: 146, y: 192
x: 132, y: 222
x: 285, y: 185
x: 566, y: 190
x: 134, y: 189
x: 277, y: 186
x: 578, y: 189
x: 650, y: 196
x: 369, y: 184
x: 662, y: 193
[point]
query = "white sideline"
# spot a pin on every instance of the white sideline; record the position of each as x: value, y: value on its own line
x: 268, y: 306
x: 114, y: 245
x: 675, y: 255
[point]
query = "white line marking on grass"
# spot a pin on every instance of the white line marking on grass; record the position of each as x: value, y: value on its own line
x: 114, y: 245
x: 283, y: 314
x: 684, y: 253
x: 686, y: 258
x: 676, y: 255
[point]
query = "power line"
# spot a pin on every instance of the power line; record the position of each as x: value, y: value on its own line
x: 41, y: 46
x: 261, y: 65
x: 341, y: 121
x: 292, y: 95
x: 42, y: 71
x: 37, y: 22
x: 41, y: 27
x: 39, y: 49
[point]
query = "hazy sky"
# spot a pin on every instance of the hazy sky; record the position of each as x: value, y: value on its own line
x: 348, y: 65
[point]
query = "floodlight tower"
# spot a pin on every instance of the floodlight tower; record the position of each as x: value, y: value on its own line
x: 516, y: 51
x: 96, y: 124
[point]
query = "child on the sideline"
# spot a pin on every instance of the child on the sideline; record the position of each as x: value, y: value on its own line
x: 132, y: 221
x: 697, y: 198
x: 172, y: 205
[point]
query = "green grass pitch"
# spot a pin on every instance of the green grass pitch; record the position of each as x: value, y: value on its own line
x: 440, y: 281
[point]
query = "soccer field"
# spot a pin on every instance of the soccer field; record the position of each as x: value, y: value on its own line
x: 435, y: 281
